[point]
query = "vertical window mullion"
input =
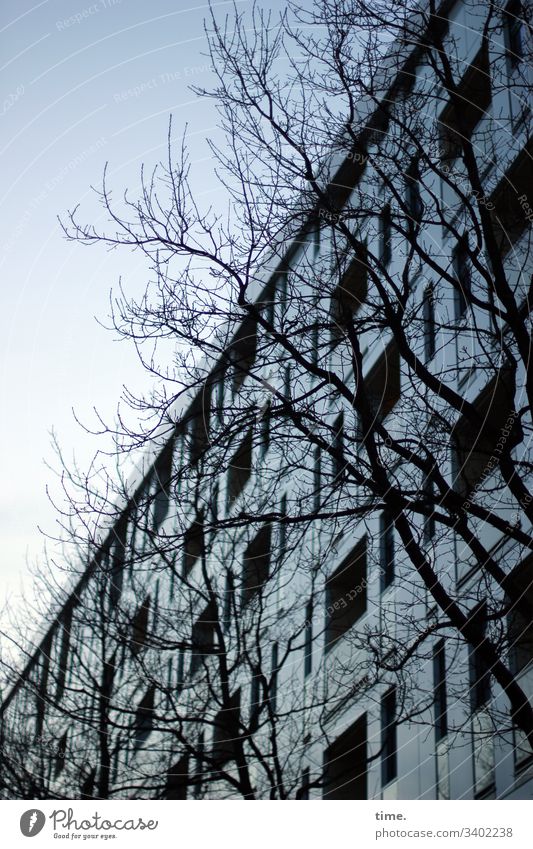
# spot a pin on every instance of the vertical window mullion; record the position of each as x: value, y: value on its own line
x: 386, y: 539
x: 428, y: 317
x: 389, y: 767
x: 308, y: 639
x: 274, y: 677
x: 439, y: 690
x: 316, y: 478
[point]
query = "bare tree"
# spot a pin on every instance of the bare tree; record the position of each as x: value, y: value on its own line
x: 368, y: 207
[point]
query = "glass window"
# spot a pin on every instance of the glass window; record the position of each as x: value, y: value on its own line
x: 439, y: 690
x: 389, y: 768
x: 308, y: 639
x: 386, y: 541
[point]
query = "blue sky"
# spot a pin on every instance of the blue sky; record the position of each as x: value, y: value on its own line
x: 82, y: 84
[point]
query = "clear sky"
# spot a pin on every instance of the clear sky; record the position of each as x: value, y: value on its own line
x: 82, y: 83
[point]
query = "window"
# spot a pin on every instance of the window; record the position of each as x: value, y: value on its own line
x: 429, y: 519
x: 198, y: 776
x: 229, y: 596
x: 439, y: 690
x: 461, y: 116
x: 377, y: 128
x: 203, y: 638
x: 513, y: 22
x: 221, y: 376
x: 199, y: 424
x: 282, y: 287
x: 479, y: 673
x: 174, y: 683
x: 282, y: 527
x: 255, y: 695
x: 316, y: 478
x: 180, y: 677
x: 264, y: 417
x: 520, y: 618
x: 193, y: 544
x: 116, y: 577
x: 315, y: 241
x: 383, y: 384
x: 513, y: 201
x: 61, y: 754
x: 108, y: 676
x: 339, y: 463
x: 287, y: 381
x: 213, y: 508
x: 274, y: 668
x: 87, y: 785
x: 139, y: 626
x: 303, y: 791
x: 66, y: 627
x: 345, y: 764
x: 389, y: 769
x: 256, y: 565
x: 163, y: 477
x: 178, y: 780
x: 350, y: 294
x: 314, y: 334
x: 443, y: 770
x: 42, y: 682
x: 478, y: 445
x: 385, y: 235
x: 346, y: 595
x: 462, y: 272
x: 483, y: 754
x: 267, y: 303
x: 428, y: 318
x: 240, y: 468
x: 404, y: 84
x: 242, y: 355
x: 180, y: 465
x: 136, y: 543
x: 413, y: 199
x: 144, y: 718
x: 386, y: 552
x: 308, y: 639
x: 226, y: 730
